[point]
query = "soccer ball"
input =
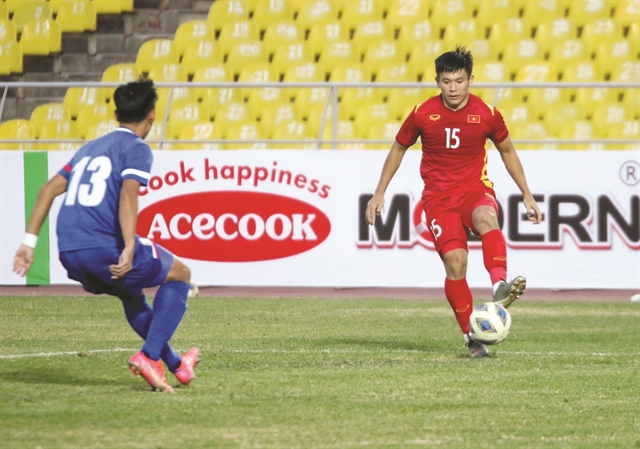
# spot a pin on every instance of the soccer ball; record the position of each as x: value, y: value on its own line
x: 490, y: 323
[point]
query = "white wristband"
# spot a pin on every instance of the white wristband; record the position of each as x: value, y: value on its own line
x: 30, y: 240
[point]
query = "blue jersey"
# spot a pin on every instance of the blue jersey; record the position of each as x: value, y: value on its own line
x: 89, y: 216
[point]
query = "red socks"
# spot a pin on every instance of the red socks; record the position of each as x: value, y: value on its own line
x: 459, y: 296
x: 494, y: 253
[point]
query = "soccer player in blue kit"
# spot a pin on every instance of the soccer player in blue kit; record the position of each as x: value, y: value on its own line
x: 97, y: 242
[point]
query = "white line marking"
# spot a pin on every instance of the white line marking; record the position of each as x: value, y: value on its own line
x: 55, y: 354
x: 329, y: 351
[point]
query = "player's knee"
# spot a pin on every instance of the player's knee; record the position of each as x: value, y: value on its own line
x: 485, y: 221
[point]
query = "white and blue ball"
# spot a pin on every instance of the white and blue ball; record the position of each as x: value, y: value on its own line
x: 490, y: 323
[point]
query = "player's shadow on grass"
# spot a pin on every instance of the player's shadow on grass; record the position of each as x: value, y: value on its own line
x: 55, y: 376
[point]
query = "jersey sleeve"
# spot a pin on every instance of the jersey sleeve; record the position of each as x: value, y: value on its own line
x: 65, y: 171
x: 137, y: 163
x: 499, y: 130
x: 409, y: 131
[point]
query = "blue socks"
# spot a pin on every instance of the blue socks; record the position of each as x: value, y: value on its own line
x: 169, y: 307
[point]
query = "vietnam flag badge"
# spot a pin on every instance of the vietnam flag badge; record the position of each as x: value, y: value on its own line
x: 473, y: 118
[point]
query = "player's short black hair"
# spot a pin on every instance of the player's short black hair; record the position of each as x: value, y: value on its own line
x: 452, y: 61
x: 135, y: 100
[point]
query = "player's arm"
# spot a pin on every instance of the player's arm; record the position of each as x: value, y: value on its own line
x: 25, y: 255
x: 128, y: 216
x: 391, y: 164
x: 516, y: 171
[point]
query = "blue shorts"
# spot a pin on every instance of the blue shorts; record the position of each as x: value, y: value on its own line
x: 90, y: 267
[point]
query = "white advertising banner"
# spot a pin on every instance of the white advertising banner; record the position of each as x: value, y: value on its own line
x: 295, y: 218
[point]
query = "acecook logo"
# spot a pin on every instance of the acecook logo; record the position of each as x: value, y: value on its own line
x: 232, y: 226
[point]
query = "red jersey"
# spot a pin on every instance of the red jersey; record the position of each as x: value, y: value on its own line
x: 454, y: 143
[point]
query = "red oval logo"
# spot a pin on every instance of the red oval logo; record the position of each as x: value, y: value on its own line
x: 229, y: 226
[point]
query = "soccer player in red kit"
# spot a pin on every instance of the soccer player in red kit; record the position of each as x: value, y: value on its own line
x: 458, y: 195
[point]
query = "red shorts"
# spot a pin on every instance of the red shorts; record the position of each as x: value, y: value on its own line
x: 449, y: 217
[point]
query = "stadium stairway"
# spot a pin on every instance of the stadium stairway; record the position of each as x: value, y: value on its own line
x: 85, y: 56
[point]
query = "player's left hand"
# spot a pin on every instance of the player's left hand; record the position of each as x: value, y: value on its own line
x: 124, y: 265
x: 23, y: 259
x: 533, y: 211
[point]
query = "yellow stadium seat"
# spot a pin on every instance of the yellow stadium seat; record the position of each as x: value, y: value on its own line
x: 215, y: 97
x: 310, y: 98
x: 583, y: 12
x: 291, y: 54
x: 308, y: 72
x: 59, y: 130
x: 491, y: 10
x: 406, y: 12
x: 316, y: 11
x: 91, y: 114
x: 8, y: 32
x: 319, y: 119
x: 582, y: 72
x: 492, y: 72
x: 77, y: 97
x: 402, y: 100
x: 352, y: 99
x: 199, y: 130
x: 591, y: 97
x: 191, y: 32
x: 542, y: 98
x: 155, y: 52
x: 245, y: 53
x: 370, y: 33
x: 482, y: 50
x: 48, y: 112
x: 323, y: 34
x: 249, y: 131
x: 27, y: 11
x: 295, y: 130
x: 567, y: 52
x: 611, y: 53
x: 261, y: 72
x: 279, y: 33
x: 516, y: 112
x: 386, y: 130
x: 631, y: 100
x: 276, y: 114
x: 382, y: 53
x: 273, y: 11
x: 201, y: 54
x: 520, y: 52
x: 627, y: 71
x: 119, y: 73
x: 113, y: 6
x: 530, y: 131
x: 462, y: 32
x: 234, y: 33
x: 554, y: 31
x: 345, y: 130
x: 233, y: 114
x: 339, y: 52
x: 559, y: 115
x: 264, y: 97
x: 600, y: 31
x: 539, y: 11
x: 223, y: 12
x: 11, y: 5
x: 168, y: 73
x: 536, y: 72
x: 184, y: 113
x: 362, y: 11
x: 76, y: 16
x: 397, y: 73
x: 177, y: 96
x: 426, y: 51
x: 16, y: 129
x: 10, y: 58
x: 371, y: 115
x: 412, y: 33
x: 628, y: 130
x: 450, y: 11
x: 503, y: 32
x: 627, y: 12
x: 4, y: 11
x: 101, y: 128
x: 606, y: 115
x: 41, y: 37
x: 581, y: 130
x: 352, y: 72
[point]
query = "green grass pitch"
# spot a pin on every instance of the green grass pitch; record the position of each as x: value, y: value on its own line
x: 303, y: 373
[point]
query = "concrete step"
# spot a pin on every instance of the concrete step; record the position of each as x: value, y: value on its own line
x: 91, y: 65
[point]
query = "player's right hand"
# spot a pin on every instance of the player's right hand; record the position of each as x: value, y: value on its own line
x: 374, y: 207
x: 23, y: 260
